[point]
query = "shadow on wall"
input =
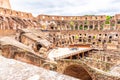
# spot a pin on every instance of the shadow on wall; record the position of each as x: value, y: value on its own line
x: 78, y: 72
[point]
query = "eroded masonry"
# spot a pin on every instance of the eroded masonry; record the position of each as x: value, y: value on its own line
x: 85, y: 47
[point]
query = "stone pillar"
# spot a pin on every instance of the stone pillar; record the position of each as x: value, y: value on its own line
x: 78, y: 26
x: 83, y: 26
x: 115, y: 25
x: 93, y: 25
x: 98, y: 25
x: 74, y: 27
x: 65, y: 27
x: 83, y: 55
x: 88, y: 27
x: 104, y: 25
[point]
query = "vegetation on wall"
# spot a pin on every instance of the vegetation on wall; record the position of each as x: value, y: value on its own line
x: 108, y: 18
x: 94, y: 37
x: 71, y: 24
x: 85, y: 27
x: 101, y: 27
x: 76, y: 37
x: 81, y: 27
x: 76, y: 27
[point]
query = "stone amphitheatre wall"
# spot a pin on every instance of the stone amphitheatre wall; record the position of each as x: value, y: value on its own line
x: 80, y: 18
x: 54, y: 17
x: 11, y: 20
x: 87, y: 22
x: 9, y: 12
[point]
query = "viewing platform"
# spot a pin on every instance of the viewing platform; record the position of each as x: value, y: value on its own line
x: 72, y: 53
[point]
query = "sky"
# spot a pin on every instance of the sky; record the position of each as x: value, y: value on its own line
x: 67, y: 7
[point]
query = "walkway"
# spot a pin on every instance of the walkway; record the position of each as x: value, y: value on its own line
x: 61, y: 53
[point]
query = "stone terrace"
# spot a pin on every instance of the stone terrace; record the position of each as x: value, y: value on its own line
x: 15, y: 70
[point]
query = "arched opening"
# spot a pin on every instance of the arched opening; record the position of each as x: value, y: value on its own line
x: 39, y: 46
x: 77, y: 71
x: 91, y: 27
x: 76, y: 27
x: 81, y: 27
x: 85, y: 27
x: 51, y: 27
x: 96, y: 27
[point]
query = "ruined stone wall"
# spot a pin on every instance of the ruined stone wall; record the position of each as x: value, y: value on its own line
x: 29, y: 42
x: 81, y: 18
x: 11, y: 20
x: 9, y: 12
x: 87, y: 22
x: 97, y: 39
x: 93, y: 72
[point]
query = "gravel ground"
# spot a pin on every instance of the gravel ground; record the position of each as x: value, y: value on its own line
x: 14, y: 70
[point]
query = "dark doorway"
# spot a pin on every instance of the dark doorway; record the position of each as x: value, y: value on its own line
x: 39, y: 46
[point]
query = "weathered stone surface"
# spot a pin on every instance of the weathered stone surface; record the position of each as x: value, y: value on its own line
x: 115, y: 70
x: 95, y: 74
x: 15, y: 70
x: 5, y: 4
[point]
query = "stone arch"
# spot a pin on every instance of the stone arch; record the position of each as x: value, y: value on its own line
x: 52, y: 25
x: 91, y: 27
x: 77, y: 71
x: 81, y: 27
x: 86, y: 27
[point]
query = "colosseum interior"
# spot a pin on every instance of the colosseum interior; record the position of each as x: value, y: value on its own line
x: 83, y: 47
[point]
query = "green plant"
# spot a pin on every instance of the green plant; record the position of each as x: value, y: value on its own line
x: 80, y: 27
x: 113, y: 24
x: 85, y: 27
x: 76, y: 37
x: 94, y: 37
x: 71, y: 24
x: 101, y: 27
x: 108, y: 18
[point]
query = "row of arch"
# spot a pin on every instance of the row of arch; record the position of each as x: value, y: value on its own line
x: 14, y: 23
x: 94, y: 38
x: 48, y: 17
x: 79, y: 25
x: 9, y: 12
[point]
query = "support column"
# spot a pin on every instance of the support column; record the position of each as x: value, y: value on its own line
x: 83, y: 26
x: 88, y: 27
x: 104, y: 25
x: 98, y: 25
x: 115, y: 25
x: 78, y: 56
x: 70, y: 57
x: 83, y: 55
x: 74, y: 27
x: 93, y: 25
